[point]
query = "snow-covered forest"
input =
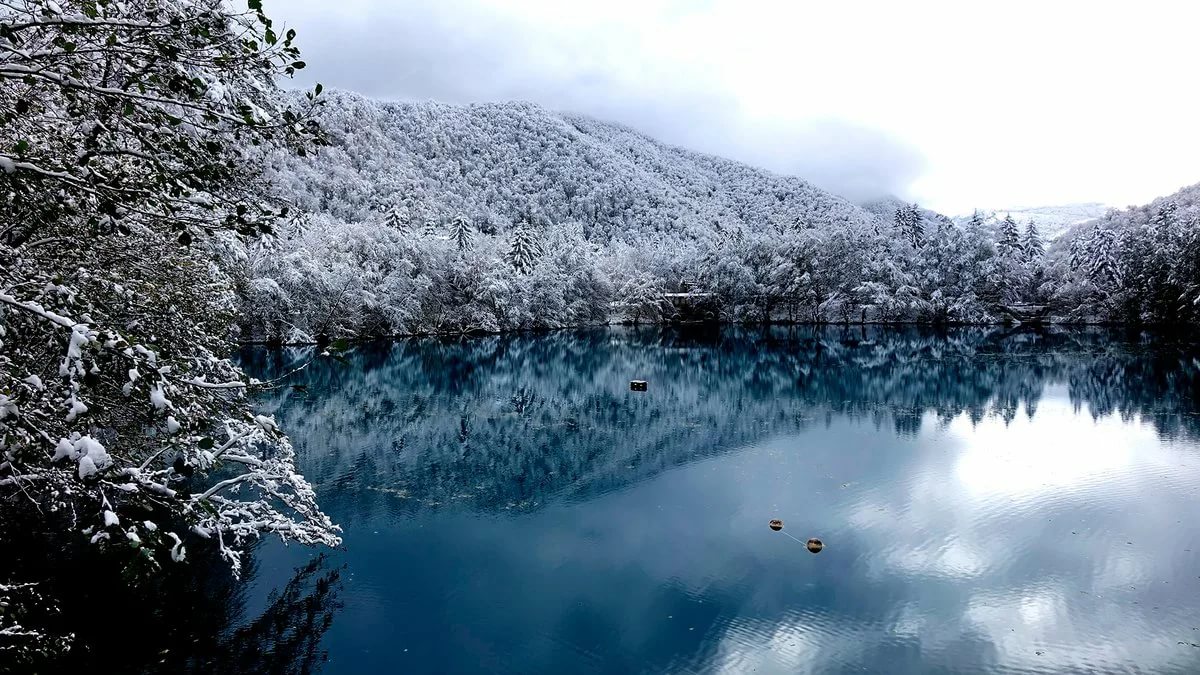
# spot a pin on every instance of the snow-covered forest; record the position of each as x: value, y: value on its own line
x: 429, y: 217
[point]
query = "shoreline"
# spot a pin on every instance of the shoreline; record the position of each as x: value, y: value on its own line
x: 1163, y: 328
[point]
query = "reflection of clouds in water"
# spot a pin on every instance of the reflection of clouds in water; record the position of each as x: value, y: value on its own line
x: 1055, y: 450
x: 980, y: 520
x: 954, y: 559
x: 953, y: 569
x: 795, y: 644
x: 1077, y: 634
x: 950, y: 545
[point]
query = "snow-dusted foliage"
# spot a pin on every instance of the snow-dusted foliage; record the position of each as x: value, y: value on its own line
x: 1137, y: 265
x: 538, y: 219
x: 460, y: 232
x: 125, y: 126
x: 24, y: 642
x: 429, y: 217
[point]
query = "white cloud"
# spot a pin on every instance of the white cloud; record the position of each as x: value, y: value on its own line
x: 955, y: 104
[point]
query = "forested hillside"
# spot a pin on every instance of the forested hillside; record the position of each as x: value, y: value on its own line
x: 501, y: 163
x: 431, y: 217
x: 1137, y: 265
x: 423, y: 217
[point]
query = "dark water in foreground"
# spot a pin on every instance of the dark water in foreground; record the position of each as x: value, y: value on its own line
x: 989, y: 501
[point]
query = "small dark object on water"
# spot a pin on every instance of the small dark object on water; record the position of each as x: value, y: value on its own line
x: 637, y: 385
x: 814, y: 545
x: 776, y: 524
x: 300, y: 387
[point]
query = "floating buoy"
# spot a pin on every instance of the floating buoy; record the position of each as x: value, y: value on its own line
x: 814, y: 545
x: 776, y: 524
x: 637, y: 385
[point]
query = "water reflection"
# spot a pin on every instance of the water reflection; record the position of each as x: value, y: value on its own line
x: 192, y: 618
x: 989, y: 501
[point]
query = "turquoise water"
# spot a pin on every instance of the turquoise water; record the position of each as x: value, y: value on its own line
x: 989, y: 501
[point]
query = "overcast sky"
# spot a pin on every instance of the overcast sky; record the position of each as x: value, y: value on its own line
x: 954, y: 104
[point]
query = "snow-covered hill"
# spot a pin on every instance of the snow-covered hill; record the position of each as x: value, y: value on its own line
x: 432, y: 217
x: 1180, y: 206
x: 1051, y: 221
x: 501, y: 163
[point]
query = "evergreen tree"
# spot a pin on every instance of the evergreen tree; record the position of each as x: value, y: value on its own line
x: 1032, y: 242
x: 1166, y: 215
x: 430, y: 228
x: 908, y: 221
x: 1010, y: 236
x: 524, y: 249
x: 460, y: 232
x: 397, y: 218
x: 1103, y: 258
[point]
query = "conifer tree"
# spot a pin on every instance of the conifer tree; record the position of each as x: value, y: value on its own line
x: 460, y: 232
x: 1010, y: 236
x: 397, y: 218
x: 908, y: 221
x: 524, y: 249
x: 1032, y: 242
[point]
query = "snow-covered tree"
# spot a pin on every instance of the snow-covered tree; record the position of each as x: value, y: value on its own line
x: 524, y: 248
x: 397, y: 218
x: 1010, y: 236
x: 976, y: 222
x: 1031, y: 242
x: 131, y: 126
x: 1103, y: 263
x: 909, y: 223
x: 460, y: 231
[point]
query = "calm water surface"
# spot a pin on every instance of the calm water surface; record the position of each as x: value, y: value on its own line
x: 990, y: 501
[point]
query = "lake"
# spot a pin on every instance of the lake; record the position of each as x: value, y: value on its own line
x: 990, y: 500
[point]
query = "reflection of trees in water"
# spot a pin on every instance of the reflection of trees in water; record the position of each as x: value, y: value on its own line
x: 504, y: 420
x: 286, y: 637
x: 189, y: 618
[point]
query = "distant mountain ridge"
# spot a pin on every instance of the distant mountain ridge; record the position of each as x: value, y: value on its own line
x: 1052, y: 221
